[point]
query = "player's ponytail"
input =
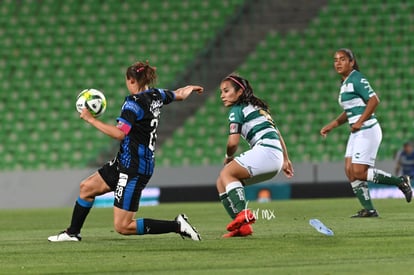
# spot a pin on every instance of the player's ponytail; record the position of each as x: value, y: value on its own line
x: 247, y: 96
x: 143, y: 73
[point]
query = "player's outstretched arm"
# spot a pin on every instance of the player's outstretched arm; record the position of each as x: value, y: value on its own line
x: 184, y: 92
x: 110, y: 130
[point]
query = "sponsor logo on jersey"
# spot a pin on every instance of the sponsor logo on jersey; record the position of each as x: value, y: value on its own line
x: 122, y: 182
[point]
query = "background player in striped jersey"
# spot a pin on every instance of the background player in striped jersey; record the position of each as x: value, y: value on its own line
x: 359, y: 102
x: 249, y: 118
x: 128, y: 174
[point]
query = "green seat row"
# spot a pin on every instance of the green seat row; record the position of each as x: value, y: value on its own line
x: 295, y: 75
x: 51, y: 50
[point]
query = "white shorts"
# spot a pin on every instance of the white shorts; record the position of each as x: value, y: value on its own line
x: 263, y: 163
x: 363, y: 145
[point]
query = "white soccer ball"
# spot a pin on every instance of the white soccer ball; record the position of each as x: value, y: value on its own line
x: 93, y: 100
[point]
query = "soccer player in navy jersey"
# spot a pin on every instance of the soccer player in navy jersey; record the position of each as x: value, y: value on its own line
x: 359, y: 102
x: 129, y: 172
x: 405, y: 160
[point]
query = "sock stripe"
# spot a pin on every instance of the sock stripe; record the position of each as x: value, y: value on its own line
x: 223, y: 196
x: 140, y: 226
x: 84, y: 203
x: 356, y: 183
x: 233, y: 185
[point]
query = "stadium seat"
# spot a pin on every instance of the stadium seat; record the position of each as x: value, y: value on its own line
x: 304, y: 92
x: 55, y: 49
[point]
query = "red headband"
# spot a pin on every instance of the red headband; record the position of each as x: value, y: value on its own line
x: 238, y: 82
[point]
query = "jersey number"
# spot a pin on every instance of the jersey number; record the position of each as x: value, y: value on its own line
x: 153, y: 134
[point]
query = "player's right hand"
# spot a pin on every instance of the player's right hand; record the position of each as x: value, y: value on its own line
x: 325, y: 130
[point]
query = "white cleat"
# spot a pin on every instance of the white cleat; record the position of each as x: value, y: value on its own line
x: 186, y: 229
x: 65, y: 237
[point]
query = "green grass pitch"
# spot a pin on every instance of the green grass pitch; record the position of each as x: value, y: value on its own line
x: 282, y: 244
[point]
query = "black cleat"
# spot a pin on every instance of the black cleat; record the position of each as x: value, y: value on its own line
x: 365, y: 213
x: 405, y: 187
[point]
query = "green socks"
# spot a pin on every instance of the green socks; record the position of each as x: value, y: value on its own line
x: 233, y: 200
x: 374, y: 175
x: 381, y: 177
x: 228, y: 205
x: 235, y: 191
x: 361, y: 190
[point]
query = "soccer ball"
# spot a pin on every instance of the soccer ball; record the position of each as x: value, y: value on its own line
x: 93, y: 100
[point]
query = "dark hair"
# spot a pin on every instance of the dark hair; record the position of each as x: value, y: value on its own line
x: 247, y: 95
x: 351, y: 57
x: 409, y: 143
x: 143, y: 73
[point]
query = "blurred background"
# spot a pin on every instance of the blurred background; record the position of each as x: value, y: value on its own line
x: 51, y: 50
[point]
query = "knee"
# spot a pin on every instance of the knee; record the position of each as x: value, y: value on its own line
x: 220, y: 186
x: 221, y: 181
x: 349, y: 175
x: 85, y: 189
x: 359, y: 174
x: 224, y: 176
x: 120, y: 228
x: 221, y: 177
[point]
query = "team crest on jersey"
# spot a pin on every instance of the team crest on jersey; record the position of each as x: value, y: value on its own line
x: 155, y: 107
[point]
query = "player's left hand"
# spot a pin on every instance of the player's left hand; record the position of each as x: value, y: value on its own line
x: 288, y: 168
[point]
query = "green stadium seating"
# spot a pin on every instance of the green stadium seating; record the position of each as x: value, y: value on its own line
x: 51, y: 50
x: 294, y: 74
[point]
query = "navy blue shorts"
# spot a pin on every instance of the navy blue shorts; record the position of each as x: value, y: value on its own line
x: 127, y: 187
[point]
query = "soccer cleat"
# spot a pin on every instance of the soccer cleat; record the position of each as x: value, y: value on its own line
x: 244, y: 217
x: 65, y: 237
x: 186, y: 229
x: 244, y: 231
x: 405, y: 187
x: 365, y: 213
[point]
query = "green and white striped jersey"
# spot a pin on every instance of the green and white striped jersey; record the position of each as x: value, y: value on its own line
x: 353, y: 97
x: 254, y: 124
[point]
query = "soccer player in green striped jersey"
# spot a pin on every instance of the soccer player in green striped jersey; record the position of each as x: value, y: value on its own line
x: 359, y: 101
x: 249, y: 117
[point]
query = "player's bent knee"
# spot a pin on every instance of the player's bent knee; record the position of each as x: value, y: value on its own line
x: 121, y: 229
x: 86, y: 190
x: 84, y: 187
x: 359, y: 175
x: 219, y: 183
x: 224, y: 175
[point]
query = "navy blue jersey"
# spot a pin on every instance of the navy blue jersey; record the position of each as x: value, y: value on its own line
x: 139, y: 120
x: 406, y: 161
